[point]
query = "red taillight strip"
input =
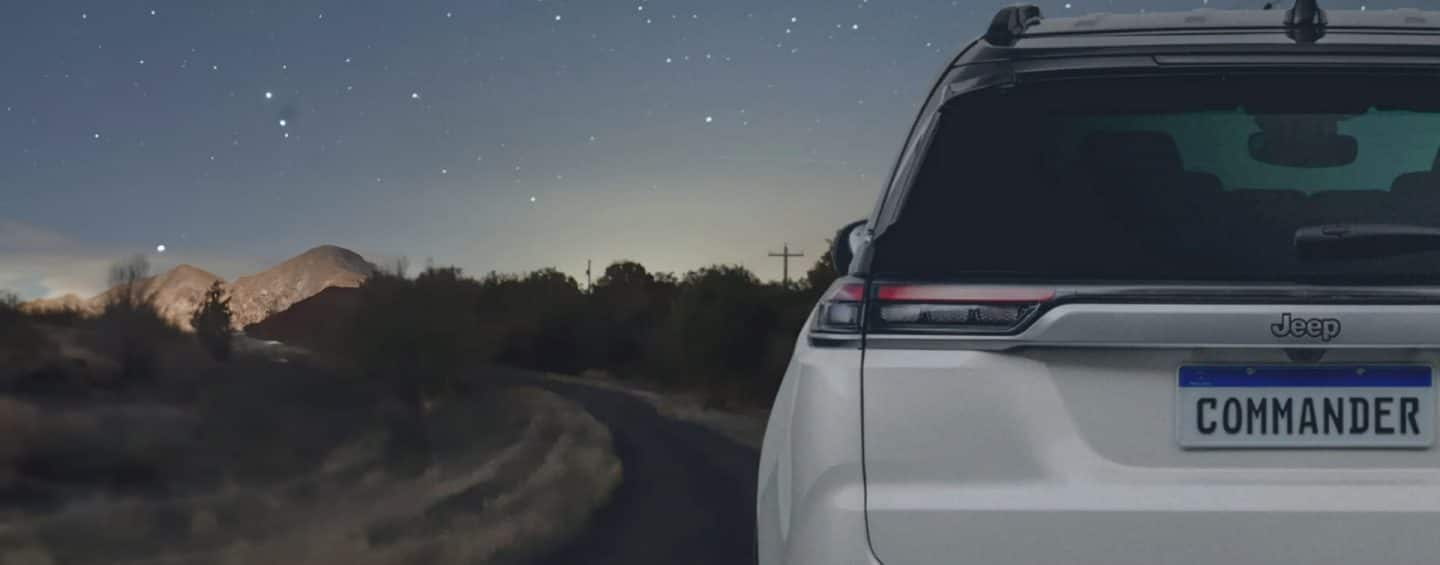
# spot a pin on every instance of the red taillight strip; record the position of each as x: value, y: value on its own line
x: 848, y: 292
x: 962, y: 293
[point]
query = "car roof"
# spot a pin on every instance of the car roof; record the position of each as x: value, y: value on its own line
x: 1394, y: 29
x: 1205, y: 20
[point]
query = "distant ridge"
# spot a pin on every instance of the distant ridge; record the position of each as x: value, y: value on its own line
x: 178, y: 292
x: 257, y: 296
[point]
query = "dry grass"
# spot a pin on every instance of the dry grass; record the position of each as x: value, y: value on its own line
x: 525, y: 493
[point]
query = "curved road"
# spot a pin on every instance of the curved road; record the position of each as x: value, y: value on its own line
x: 688, y: 495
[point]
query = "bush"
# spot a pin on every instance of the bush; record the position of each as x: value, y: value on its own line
x: 719, y: 329
x: 134, y: 335
x: 130, y: 329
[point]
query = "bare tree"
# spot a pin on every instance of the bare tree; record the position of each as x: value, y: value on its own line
x: 399, y: 268
x: 127, y: 282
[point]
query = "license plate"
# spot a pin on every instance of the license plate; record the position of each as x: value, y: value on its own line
x: 1293, y: 406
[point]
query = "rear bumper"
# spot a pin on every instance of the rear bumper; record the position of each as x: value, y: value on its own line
x: 1179, y: 537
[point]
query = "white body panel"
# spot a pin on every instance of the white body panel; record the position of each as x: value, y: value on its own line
x: 811, y: 503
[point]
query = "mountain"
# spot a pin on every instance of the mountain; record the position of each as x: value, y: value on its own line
x: 310, y: 322
x: 179, y: 291
x: 176, y: 294
x: 68, y: 303
x: 254, y: 298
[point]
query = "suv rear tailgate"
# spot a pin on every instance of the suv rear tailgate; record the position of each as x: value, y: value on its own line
x: 1059, y: 444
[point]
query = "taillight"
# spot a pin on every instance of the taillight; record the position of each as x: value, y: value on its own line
x: 955, y: 308
x: 840, y: 309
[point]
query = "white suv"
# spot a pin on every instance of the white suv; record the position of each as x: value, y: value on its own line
x: 1142, y: 289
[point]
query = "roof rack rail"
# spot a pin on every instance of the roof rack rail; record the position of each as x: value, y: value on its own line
x: 1011, y: 22
x: 1305, y: 21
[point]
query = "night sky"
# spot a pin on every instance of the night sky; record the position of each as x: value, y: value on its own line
x: 492, y: 135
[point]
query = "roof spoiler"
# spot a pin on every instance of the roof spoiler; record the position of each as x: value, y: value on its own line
x: 1011, y: 22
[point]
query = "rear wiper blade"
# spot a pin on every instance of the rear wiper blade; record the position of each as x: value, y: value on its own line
x: 1361, y: 241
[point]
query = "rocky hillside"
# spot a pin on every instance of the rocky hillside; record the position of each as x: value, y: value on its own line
x: 177, y: 292
x: 255, y: 297
x: 310, y: 323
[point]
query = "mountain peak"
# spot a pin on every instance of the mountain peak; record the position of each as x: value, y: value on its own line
x: 328, y: 250
x: 189, y: 271
x: 257, y: 296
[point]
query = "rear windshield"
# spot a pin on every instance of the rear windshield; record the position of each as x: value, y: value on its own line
x: 1171, y: 179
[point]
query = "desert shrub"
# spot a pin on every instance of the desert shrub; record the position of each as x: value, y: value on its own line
x: 536, y: 319
x: 717, y: 326
x: 415, y: 338
x: 627, y: 304
x: 134, y: 336
x: 130, y: 329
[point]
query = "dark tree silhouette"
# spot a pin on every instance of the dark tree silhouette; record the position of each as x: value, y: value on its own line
x: 211, y: 322
x: 819, y: 277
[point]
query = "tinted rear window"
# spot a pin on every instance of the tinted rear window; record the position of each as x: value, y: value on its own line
x: 1164, y: 180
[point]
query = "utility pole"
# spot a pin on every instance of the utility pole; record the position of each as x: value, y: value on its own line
x: 589, y: 287
x: 785, y: 256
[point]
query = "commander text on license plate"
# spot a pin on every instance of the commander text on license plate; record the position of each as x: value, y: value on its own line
x: 1280, y: 406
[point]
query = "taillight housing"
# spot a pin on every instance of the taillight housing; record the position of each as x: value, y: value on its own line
x: 841, y: 308
x: 947, y: 308
x: 850, y: 305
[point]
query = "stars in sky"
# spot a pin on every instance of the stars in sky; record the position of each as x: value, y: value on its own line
x: 592, y: 103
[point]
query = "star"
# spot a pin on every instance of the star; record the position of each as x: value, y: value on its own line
x: 152, y: 12
x: 269, y: 95
x: 160, y: 248
x: 854, y: 26
x: 557, y: 17
x: 709, y: 119
x: 414, y: 95
x: 97, y: 135
x: 283, y: 123
x: 532, y: 198
x: 444, y: 171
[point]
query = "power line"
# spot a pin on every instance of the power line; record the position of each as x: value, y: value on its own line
x: 785, y: 256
